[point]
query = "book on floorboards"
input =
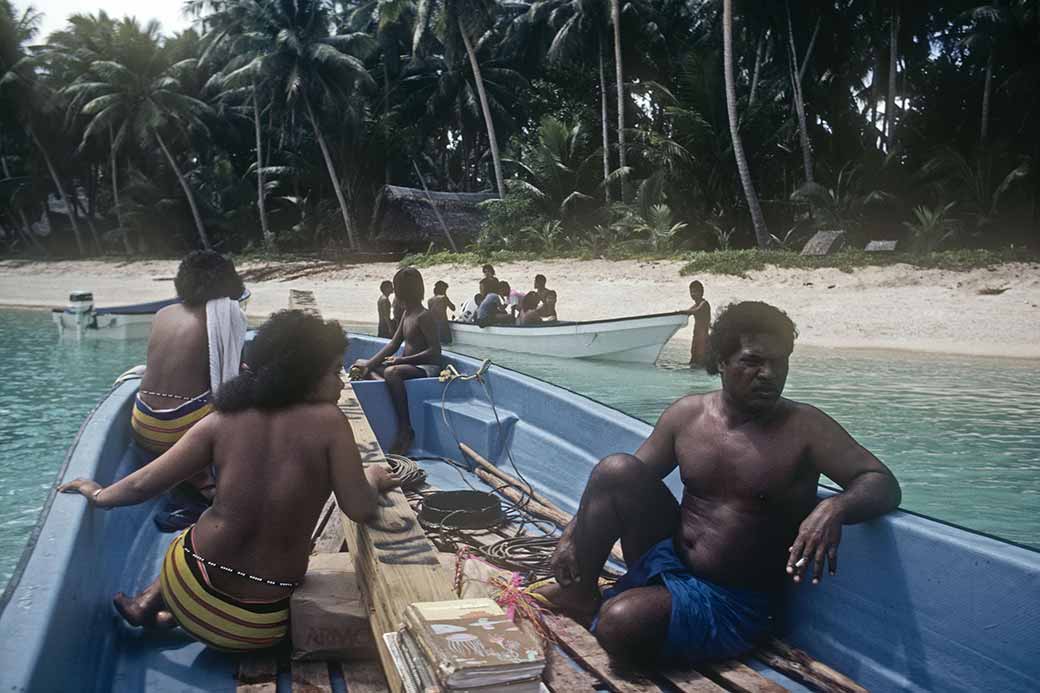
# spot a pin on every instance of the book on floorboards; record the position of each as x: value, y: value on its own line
x: 417, y: 676
x: 471, y: 643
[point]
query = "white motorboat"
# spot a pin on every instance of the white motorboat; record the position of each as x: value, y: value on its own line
x: 82, y: 319
x: 638, y: 339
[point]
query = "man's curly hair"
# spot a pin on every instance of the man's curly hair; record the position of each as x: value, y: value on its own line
x: 286, y: 360
x: 204, y: 275
x: 746, y: 318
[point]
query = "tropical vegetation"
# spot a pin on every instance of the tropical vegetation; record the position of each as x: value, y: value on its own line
x: 656, y: 126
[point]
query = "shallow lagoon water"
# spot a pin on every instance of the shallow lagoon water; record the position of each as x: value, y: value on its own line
x: 962, y: 434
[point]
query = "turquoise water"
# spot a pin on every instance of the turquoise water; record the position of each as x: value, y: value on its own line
x: 48, y: 387
x: 962, y: 434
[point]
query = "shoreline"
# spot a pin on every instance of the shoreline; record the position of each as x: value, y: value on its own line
x: 894, y: 308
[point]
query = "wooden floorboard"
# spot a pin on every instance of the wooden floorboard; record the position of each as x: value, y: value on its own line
x: 311, y: 677
x: 735, y: 676
x: 364, y: 677
x: 257, y: 674
x: 799, y: 666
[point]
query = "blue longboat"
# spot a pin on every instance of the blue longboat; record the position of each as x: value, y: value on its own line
x: 918, y: 604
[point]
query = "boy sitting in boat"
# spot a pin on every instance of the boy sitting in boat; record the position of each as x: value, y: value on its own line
x: 492, y: 309
x: 547, y: 311
x: 529, y: 314
x: 280, y: 445
x: 175, y: 392
x: 421, y: 357
x: 705, y: 576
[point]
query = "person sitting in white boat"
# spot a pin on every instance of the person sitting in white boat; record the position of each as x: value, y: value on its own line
x: 421, y: 358
x: 488, y: 282
x: 529, y: 314
x: 176, y: 390
x: 439, y: 305
x: 539, y: 286
x: 280, y: 445
x: 705, y: 575
x: 547, y: 311
x: 492, y: 309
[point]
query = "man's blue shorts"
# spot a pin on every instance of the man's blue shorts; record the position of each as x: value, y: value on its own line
x: 708, y: 621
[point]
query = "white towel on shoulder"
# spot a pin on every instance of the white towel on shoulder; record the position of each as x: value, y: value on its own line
x: 226, y: 331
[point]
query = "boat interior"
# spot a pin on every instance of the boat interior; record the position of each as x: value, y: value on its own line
x: 917, y: 605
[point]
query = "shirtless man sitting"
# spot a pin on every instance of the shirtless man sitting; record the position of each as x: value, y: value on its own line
x: 705, y: 576
x: 421, y: 357
x: 175, y: 391
x: 281, y: 445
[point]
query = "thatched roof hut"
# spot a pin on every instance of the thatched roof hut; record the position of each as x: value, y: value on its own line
x: 405, y: 219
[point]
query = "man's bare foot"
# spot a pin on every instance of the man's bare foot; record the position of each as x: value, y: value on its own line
x: 133, y: 612
x: 404, y: 441
x: 577, y: 604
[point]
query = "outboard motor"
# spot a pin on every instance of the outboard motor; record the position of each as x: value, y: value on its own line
x: 80, y: 311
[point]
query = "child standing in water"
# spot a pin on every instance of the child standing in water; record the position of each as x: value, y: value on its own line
x: 438, y: 305
x: 701, y: 312
x: 383, y: 309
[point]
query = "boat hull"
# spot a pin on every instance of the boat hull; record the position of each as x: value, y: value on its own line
x: 629, y: 340
x: 119, y: 323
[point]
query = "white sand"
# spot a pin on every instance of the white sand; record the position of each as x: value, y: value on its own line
x: 896, y: 307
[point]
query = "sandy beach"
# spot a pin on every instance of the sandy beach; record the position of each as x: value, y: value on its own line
x: 896, y: 307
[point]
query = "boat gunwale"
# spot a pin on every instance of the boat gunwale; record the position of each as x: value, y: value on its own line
x: 571, y: 323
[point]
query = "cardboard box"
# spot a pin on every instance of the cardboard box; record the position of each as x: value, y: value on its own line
x: 328, y: 616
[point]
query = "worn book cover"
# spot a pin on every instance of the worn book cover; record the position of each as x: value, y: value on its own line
x: 471, y: 642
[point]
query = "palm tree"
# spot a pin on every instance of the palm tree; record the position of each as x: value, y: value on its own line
x: 461, y: 19
x: 19, y: 83
x: 615, y: 20
x: 142, y: 99
x: 309, y: 71
x: 757, y: 219
x: 70, y: 52
x: 989, y: 22
x: 578, y: 30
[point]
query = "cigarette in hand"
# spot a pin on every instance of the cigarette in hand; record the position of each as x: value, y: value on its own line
x: 801, y: 561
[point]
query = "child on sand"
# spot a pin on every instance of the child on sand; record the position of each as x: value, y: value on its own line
x: 439, y: 305
x: 421, y: 357
x: 383, y: 309
x: 701, y: 312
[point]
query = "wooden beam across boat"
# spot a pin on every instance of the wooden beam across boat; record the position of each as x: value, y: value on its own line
x: 396, y: 563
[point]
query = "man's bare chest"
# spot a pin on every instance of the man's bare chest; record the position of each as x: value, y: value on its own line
x: 738, y: 465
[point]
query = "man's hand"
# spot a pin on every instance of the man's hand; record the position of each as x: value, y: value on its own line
x: 818, y: 538
x: 380, y: 479
x: 87, y: 487
x: 389, y: 360
x: 564, y: 561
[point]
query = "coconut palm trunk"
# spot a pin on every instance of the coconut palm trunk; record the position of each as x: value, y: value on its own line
x: 261, y: 205
x: 486, y: 108
x: 757, y: 219
x: 336, y: 185
x: 187, y: 191
x: 113, y: 163
x: 603, y: 122
x: 796, y: 92
x: 893, y: 69
x: 986, y: 92
x: 61, y: 188
x: 615, y: 18
x: 26, y: 229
